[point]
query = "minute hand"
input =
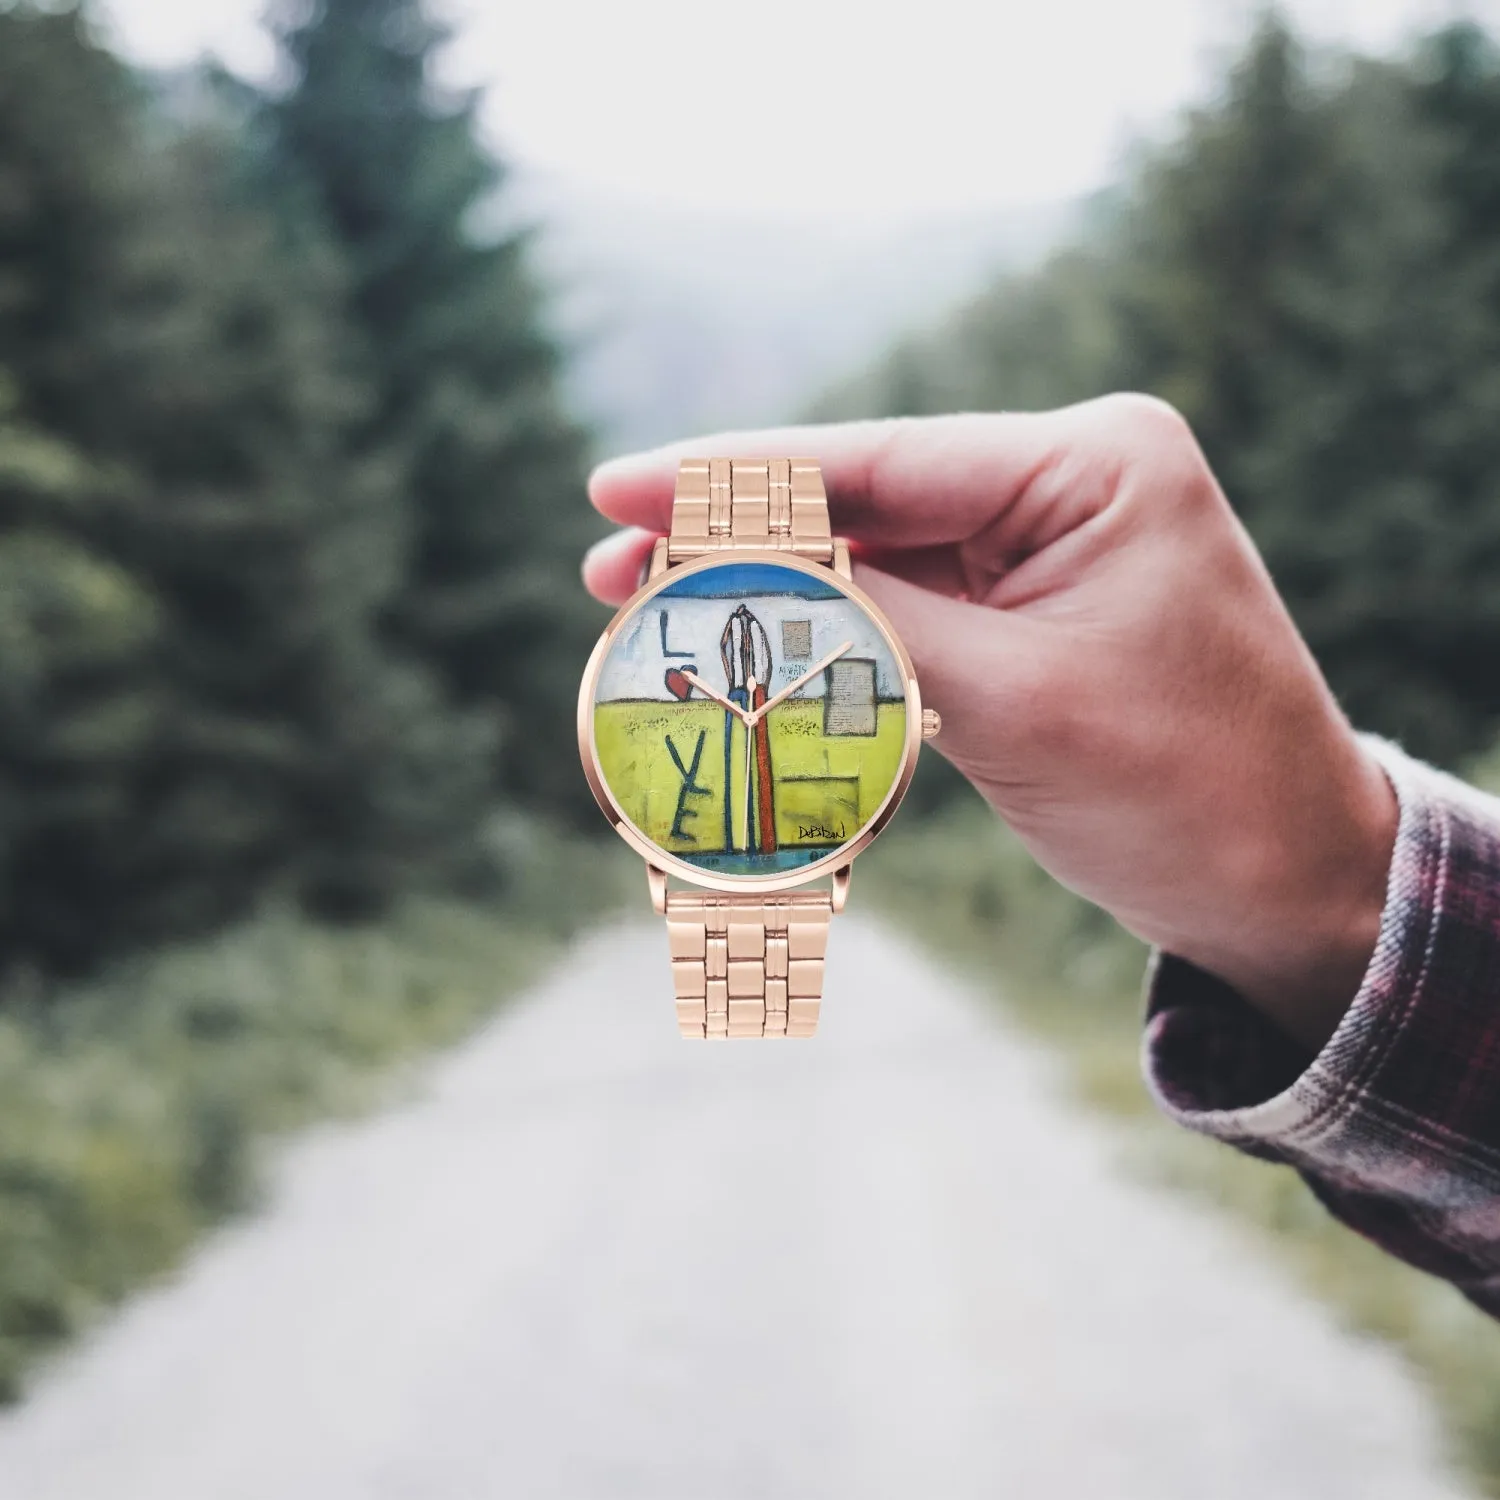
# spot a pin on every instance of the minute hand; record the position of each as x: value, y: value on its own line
x: 792, y: 687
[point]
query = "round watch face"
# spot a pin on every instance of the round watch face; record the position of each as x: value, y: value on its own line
x: 749, y: 718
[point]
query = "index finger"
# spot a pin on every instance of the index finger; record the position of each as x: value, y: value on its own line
x: 900, y: 482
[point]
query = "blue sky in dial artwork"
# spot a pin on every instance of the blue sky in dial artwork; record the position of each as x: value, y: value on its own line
x: 736, y: 580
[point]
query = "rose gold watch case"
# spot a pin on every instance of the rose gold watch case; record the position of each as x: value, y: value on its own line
x: 838, y: 858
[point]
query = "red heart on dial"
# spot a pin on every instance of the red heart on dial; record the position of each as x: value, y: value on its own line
x: 678, y: 685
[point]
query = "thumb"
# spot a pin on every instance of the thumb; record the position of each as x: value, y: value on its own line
x: 986, y: 671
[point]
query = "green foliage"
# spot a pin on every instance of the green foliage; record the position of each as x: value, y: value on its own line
x: 283, y: 475
x: 466, y: 375
x: 1309, y: 272
x: 312, y: 754
x: 77, y: 703
x: 1319, y: 318
x: 134, y: 1107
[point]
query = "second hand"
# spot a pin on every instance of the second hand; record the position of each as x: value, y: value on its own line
x: 749, y: 745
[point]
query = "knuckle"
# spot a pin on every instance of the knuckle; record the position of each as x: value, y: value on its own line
x: 1149, y: 420
x: 1159, y: 443
x: 879, y: 482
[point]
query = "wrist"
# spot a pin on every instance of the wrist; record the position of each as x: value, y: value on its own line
x: 1311, y: 909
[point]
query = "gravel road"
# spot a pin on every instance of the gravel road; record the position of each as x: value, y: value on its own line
x: 591, y: 1262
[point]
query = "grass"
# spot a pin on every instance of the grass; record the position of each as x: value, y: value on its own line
x: 962, y: 884
x: 134, y: 1109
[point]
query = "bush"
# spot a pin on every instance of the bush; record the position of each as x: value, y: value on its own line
x: 133, y: 1108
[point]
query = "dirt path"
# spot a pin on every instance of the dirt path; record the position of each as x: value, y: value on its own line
x: 594, y: 1262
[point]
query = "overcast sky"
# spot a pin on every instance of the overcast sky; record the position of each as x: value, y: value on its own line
x: 844, y: 109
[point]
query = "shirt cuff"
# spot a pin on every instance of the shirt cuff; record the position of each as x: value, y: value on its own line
x: 1403, y: 1102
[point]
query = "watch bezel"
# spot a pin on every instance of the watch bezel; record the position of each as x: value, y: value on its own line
x: 781, y: 880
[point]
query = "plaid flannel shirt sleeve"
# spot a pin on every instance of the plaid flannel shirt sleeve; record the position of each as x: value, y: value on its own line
x: 1395, y: 1124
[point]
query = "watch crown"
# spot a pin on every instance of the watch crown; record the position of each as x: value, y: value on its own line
x: 932, y: 723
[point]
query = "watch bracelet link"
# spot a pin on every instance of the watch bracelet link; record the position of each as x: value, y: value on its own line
x: 765, y: 503
x: 748, y: 965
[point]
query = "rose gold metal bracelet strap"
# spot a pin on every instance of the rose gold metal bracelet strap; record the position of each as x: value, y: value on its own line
x: 748, y: 965
x: 739, y: 503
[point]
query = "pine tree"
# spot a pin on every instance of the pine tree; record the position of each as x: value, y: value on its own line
x: 158, y: 331
x: 278, y: 555
x: 78, y: 704
x: 467, y: 376
x: 1299, y: 285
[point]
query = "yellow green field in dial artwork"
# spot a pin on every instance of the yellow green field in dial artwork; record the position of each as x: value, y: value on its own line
x: 750, y: 718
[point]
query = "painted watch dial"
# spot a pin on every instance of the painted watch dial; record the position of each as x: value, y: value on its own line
x: 750, y: 718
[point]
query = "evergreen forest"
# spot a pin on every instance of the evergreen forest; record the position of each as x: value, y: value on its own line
x: 290, y: 502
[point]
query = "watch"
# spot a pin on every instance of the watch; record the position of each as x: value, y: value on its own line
x: 749, y: 722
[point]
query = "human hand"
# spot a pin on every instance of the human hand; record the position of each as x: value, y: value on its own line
x: 1115, y: 672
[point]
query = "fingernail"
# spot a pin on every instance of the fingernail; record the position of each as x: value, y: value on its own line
x: 603, y: 545
x: 618, y: 467
x: 608, y: 468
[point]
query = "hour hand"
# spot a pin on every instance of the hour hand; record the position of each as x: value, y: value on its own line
x: 792, y: 687
x: 718, y: 697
